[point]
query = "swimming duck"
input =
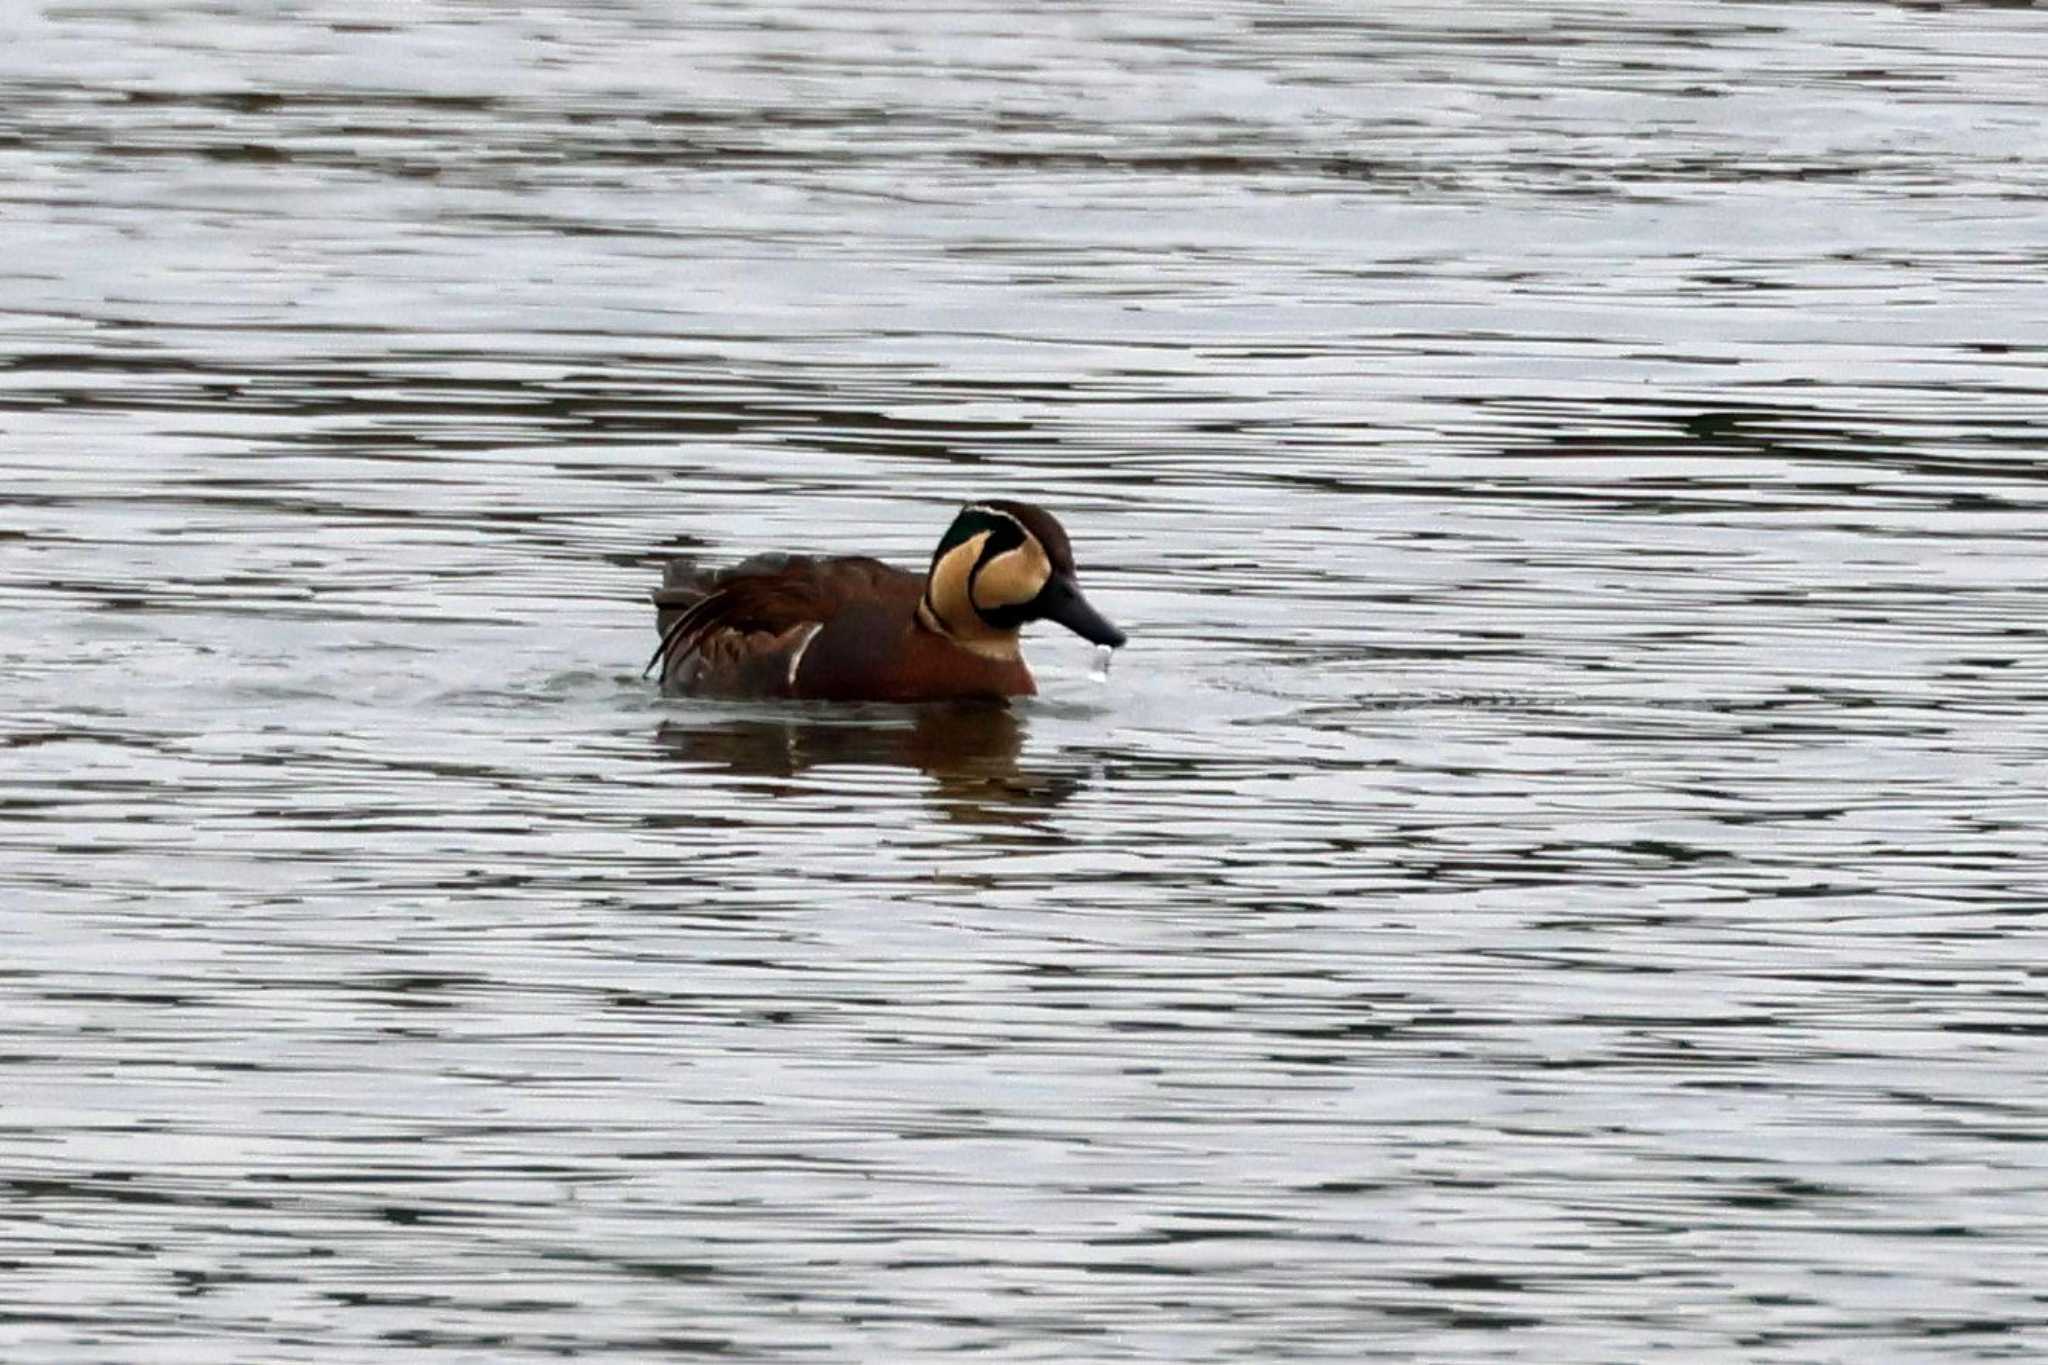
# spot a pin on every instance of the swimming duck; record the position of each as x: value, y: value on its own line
x: 856, y: 629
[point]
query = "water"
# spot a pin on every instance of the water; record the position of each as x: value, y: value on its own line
x: 1555, y: 875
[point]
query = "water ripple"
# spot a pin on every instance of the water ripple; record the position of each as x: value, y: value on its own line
x: 1552, y: 877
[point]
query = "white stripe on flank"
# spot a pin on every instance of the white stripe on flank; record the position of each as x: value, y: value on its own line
x: 797, y: 656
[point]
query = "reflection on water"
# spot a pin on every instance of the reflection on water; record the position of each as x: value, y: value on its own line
x: 1552, y: 878
x: 969, y: 752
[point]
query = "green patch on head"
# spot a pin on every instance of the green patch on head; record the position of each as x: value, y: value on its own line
x: 1003, y: 530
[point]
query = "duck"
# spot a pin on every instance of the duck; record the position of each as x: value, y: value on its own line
x: 854, y: 629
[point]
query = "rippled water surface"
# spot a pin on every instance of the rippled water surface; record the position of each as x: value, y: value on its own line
x: 1556, y: 875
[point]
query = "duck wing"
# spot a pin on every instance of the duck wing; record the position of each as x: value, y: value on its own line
x: 766, y: 598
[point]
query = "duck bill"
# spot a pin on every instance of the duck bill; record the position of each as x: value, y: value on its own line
x: 1062, y: 601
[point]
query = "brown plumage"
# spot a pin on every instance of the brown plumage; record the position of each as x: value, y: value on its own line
x: 856, y: 629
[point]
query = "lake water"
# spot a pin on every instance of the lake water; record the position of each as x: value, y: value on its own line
x: 1557, y: 875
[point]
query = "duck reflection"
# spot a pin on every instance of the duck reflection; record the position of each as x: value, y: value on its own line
x: 970, y: 751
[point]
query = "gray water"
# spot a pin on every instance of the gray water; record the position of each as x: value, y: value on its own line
x: 1556, y: 876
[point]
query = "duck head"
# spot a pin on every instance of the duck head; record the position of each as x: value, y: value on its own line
x: 999, y: 566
